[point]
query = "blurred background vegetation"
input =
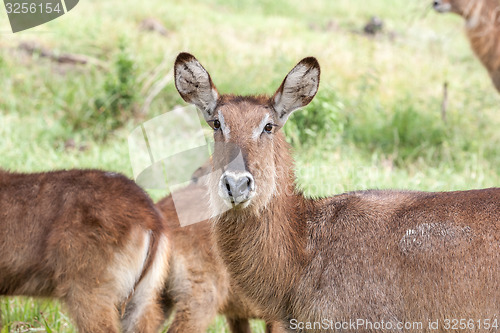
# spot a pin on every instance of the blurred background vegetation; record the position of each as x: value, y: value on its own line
x: 377, y: 121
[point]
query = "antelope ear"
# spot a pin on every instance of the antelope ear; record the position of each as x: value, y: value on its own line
x: 298, y: 88
x: 194, y: 84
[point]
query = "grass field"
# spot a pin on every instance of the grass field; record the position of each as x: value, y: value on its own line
x: 375, y: 123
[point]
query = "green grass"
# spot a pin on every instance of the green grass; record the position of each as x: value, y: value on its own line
x: 375, y: 123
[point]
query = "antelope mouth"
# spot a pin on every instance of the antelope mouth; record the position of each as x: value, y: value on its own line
x: 238, y: 202
x: 239, y: 205
x: 236, y: 189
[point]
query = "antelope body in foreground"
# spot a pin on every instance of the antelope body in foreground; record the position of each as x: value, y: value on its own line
x: 483, y: 30
x: 90, y: 238
x: 392, y: 256
x: 198, y: 284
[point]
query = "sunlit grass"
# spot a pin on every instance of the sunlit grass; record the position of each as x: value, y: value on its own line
x: 21, y: 314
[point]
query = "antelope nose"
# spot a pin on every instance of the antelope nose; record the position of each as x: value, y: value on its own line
x: 238, y: 186
x: 436, y: 3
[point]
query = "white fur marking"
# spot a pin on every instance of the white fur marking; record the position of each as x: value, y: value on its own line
x: 128, y: 264
x: 150, y: 284
x: 259, y: 129
x: 224, y: 127
x: 475, y: 18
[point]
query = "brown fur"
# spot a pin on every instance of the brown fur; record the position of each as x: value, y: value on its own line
x: 396, y: 256
x: 77, y: 235
x: 198, y: 284
x: 483, y: 30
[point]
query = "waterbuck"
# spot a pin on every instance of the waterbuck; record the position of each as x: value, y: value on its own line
x: 483, y: 30
x: 370, y: 258
x: 198, y: 284
x: 90, y: 238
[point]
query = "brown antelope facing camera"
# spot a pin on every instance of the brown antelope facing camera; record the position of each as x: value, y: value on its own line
x: 90, y: 238
x: 314, y: 264
x: 483, y: 30
x: 198, y: 285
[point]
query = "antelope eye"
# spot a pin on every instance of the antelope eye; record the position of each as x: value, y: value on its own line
x: 216, y: 124
x: 268, y: 128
